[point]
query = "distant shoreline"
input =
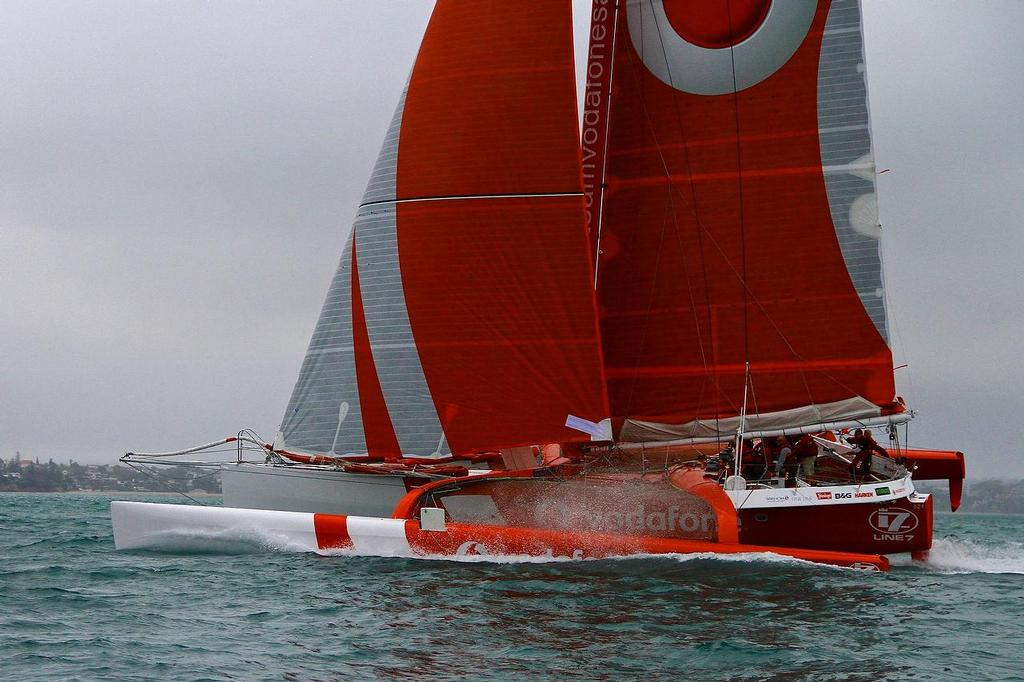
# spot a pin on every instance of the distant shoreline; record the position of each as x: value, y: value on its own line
x: 108, y: 493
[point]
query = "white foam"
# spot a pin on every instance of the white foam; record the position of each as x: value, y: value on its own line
x: 958, y: 555
x: 751, y: 557
x: 744, y: 557
x: 187, y: 540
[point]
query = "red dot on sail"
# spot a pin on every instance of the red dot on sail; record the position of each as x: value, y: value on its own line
x: 716, y: 24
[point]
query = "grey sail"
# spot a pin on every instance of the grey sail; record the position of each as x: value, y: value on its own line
x: 323, y: 414
x: 846, y: 155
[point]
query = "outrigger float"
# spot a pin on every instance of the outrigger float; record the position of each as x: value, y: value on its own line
x: 699, y: 264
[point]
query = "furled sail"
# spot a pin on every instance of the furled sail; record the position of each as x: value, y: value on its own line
x: 462, y: 316
x: 731, y: 187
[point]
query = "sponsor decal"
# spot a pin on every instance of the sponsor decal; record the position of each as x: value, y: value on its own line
x: 883, y: 491
x: 893, y: 524
x: 863, y: 566
x: 897, y: 491
x: 696, y: 63
x: 474, y: 548
x: 471, y: 548
x: 863, y: 494
x: 824, y: 496
x: 777, y: 498
x: 639, y: 519
x: 843, y: 496
x: 602, y: 24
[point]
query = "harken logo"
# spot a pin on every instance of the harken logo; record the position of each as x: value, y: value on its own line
x: 893, y: 520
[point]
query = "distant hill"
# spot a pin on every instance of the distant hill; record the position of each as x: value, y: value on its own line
x: 983, y: 497
x: 18, y: 475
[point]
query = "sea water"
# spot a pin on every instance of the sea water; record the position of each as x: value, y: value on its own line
x: 73, y: 608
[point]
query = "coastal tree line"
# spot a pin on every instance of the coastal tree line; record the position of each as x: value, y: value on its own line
x: 18, y: 474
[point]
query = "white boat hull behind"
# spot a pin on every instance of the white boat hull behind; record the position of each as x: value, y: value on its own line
x: 310, y: 489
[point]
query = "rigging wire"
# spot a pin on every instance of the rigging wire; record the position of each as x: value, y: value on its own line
x: 692, y: 205
x: 739, y: 184
x: 142, y: 470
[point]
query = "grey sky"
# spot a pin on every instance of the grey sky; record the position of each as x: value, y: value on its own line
x: 177, y: 179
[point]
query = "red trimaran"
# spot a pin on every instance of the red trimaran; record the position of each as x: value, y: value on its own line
x: 702, y: 267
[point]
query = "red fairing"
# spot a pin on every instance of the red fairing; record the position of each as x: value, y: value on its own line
x: 694, y: 481
x: 929, y: 465
x: 495, y: 269
x: 718, y: 243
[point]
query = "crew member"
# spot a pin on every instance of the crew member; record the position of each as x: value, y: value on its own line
x: 806, y: 452
x: 867, y: 447
x: 785, y: 453
x: 753, y: 461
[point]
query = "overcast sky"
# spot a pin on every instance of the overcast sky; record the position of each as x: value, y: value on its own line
x: 177, y: 180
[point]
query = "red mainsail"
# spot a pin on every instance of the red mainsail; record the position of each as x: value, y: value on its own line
x: 738, y: 222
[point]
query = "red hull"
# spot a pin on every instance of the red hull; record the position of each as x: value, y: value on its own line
x: 888, y: 528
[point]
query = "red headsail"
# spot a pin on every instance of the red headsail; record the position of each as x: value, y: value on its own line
x: 462, y: 317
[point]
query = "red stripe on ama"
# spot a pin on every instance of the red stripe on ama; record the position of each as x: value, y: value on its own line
x: 331, y: 531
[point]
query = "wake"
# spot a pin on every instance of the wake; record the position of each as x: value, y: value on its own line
x: 960, y: 555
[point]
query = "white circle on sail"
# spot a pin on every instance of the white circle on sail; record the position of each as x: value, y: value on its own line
x: 864, y: 216
x: 709, y: 71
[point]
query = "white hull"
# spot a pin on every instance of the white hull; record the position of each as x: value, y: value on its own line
x: 182, y: 527
x: 875, y: 492
x: 310, y: 489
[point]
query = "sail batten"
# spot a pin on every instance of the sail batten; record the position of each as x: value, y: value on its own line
x: 469, y: 197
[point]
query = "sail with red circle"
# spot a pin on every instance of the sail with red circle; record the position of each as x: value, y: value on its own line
x: 733, y: 215
x: 462, y: 317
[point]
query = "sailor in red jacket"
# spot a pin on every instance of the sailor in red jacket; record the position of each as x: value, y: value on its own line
x: 806, y: 452
x: 866, y: 447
